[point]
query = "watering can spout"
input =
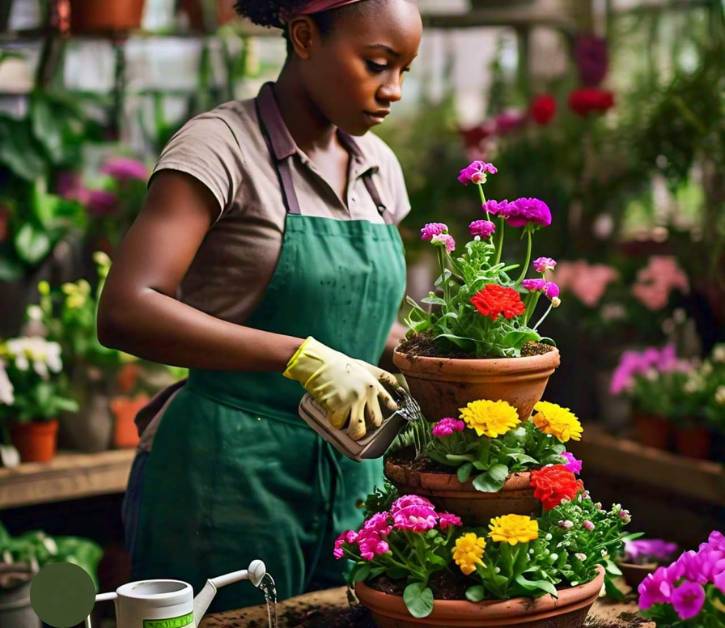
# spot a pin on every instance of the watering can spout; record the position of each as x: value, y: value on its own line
x: 254, y: 573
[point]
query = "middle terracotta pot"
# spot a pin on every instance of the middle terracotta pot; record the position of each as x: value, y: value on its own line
x: 474, y: 507
x: 443, y: 385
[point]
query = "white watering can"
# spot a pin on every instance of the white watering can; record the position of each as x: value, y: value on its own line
x: 171, y: 603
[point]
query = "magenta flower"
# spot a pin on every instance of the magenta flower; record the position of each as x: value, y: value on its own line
x: 413, y: 513
x: 529, y: 211
x: 656, y: 588
x: 446, y: 427
x: 102, y: 203
x: 499, y: 208
x: 534, y: 285
x: 124, y: 169
x: 448, y: 519
x: 410, y: 500
x: 715, y: 541
x: 432, y: 229
x: 719, y: 582
x: 551, y: 290
x: 371, y: 544
x: 572, y: 464
x: 446, y: 240
x: 482, y: 228
x: 656, y: 549
x: 378, y: 523
x: 687, y: 600
x: 542, y: 264
x: 476, y: 172
x: 349, y: 536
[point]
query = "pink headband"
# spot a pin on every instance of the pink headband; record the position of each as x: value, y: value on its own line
x: 318, y: 6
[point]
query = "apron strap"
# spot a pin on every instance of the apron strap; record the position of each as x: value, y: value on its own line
x: 375, y: 195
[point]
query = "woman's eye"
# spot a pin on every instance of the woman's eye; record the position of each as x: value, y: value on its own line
x: 376, y: 67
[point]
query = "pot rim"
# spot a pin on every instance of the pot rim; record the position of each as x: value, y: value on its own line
x: 570, y: 598
x: 464, y: 366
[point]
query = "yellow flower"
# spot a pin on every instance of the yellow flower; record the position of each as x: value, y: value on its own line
x: 557, y: 421
x: 513, y: 529
x: 44, y: 288
x: 468, y: 552
x: 490, y: 418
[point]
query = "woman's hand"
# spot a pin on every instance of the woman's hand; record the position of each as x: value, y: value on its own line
x: 343, y: 386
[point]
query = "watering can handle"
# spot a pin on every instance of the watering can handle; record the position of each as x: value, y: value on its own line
x: 101, y: 597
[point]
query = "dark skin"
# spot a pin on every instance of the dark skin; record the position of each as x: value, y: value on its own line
x: 138, y: 311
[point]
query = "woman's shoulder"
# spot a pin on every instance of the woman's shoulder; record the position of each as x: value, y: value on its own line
x: 232, y: 121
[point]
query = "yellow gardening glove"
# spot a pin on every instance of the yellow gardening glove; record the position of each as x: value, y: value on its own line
x: 343, y: 386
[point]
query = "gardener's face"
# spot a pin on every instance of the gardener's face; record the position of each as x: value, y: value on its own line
x: 355, y: 73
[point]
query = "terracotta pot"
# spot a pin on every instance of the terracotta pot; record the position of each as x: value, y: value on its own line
x: 693, y: 441
x: 443, y: 385
x: 652, y: 431
x: 194, y: 9
x: 634, y: 574
x: 36, y: 441
x: 568, y: 611
x: 474, y: 507
x: 125, y: 409
x: 101, y: 16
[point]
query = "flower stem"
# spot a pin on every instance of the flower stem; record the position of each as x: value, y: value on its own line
x: 543, y: 317
x: 443, y: 265
x: 528, y: 256
x: 499, y: 240
x: 531, y: 304
x: 483, y: 200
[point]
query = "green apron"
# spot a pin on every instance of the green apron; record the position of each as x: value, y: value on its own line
x: 234, y: 473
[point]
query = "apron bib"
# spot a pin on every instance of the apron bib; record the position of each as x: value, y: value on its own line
x: 234, y: 473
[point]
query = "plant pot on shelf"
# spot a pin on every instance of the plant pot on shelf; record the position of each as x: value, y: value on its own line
x: 36, y: 441
x: 474, y: 507
x: 103, y: 17
x: 206, y: 15
x: 652, y: 431
x: 125, y: 409
x: 443, y: 385
x: 693, y: 441
x: 15, y: 609
x: 634, y: 574
x: 568, y: 611
x: 89, y: 429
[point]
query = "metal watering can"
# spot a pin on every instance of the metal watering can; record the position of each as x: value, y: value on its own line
x: 171, y: 603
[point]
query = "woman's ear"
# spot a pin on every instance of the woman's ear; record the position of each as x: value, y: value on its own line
x: 304, y: 36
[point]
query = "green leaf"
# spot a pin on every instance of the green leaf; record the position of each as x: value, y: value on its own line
x: 31, y: 244
x: 498, y: 473
x: 361, y: 573
x: 612, y: 568
x: 396, y: 573
x: 518, y: 338
x: 486, y: 484
x: 464, y: 472
x: 475, y: 593
x: 19, y: 151
x: 459, y: 457
x: 536, y: 585
x: 418, y: 599
x: 612, y: 591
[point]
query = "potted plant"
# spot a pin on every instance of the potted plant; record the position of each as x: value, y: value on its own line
x: 415, y: 565
x: 641, y: 557
x: 99, y: 17
x: 690, y: 591
x: 489, y: 462
x: 477, y: 338
x: 35, y: 393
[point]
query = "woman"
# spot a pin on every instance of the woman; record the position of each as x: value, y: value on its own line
x: 266, y: 259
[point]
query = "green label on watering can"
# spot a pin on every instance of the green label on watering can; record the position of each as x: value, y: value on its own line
x: 174, y: 622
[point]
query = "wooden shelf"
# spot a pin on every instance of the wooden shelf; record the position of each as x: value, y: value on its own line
x: 623, y: 458
x: 70, y: 475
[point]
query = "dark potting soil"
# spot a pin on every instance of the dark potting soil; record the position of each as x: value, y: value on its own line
x: 406, y: 458
x: 446, y: 585
x: 421, y: 345
x: 330, y: 617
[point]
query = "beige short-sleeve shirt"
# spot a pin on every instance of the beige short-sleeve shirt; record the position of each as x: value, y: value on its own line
x: 226, y: 150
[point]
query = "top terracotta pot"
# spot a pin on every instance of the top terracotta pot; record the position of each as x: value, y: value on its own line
x: 443, y: 385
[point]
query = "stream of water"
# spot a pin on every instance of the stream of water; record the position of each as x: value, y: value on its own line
x: 270, y: 597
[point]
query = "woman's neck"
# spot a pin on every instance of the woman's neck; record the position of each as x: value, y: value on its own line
x: 308, y: 127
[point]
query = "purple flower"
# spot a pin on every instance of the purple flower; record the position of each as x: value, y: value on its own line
x: 102, y: 203
x: 446, y: 427
x: 476, y: 172
x: 687, y: 600
x: 641, y: 549
x: 432, y: 229
x: 534, y: 285
x: 445, y: 240
x: 371, y: 544
x: 529, y: 211
x: 509, y: 121
x: 448, y: 519
x: 719, y: 581
x: 349, y: 536
x: 656, y: 588
x: 590, y: 54
x: 551, y: 290
x: 715, y: 541
x: 378, y: 523
x: 573, y: 464
x: 413, y: 513
x: 482, y: 228
x: 542, y: 264
x: 123, y: 169
x: 499, y: 208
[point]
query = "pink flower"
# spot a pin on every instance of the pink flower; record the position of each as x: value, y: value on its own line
x: 590, y: 54
x: 588, y: 525
x: 446, y: 240
x: 498, y: 208
x: 542, y: 264
x: 657, y: 280
x: 447, y: 519
x: 123, y: 169
x: 655, y: 589
x: 432, y: 229
x: 476, y: 172
x: 715, y: 541
x: 102, y: 203
x: 378, y: 523
x: 446, y: 427
x: 534, y: 285
x: 349, y: 536
x: 587, y: 283
x: 687, y: 600
x: 509, y: 121
x: 573, y: 464
x: 413, y: 513
x: 529, y: 211
x: 482, y: 228
x: 371, y: 544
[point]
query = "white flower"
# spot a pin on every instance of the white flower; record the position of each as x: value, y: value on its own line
x: 706, y: 368
x: 720, y: 395
x: 693, y: 384
x: 651, y: 374
x: 6, y: 387
x: 718, y: 353
x: 35, y: 313
x: 43, y: 354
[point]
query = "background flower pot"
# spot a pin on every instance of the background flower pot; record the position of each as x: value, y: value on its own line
x: 693, y: 441
x: 101, y: 16
x: 568, y: 611
x: 36, y: 441
x: 15, y: 610
x: 443, y: 385
x: 652, y: 431
x: 474, y: 507
x: 634, y: 574
x: 90, y: 429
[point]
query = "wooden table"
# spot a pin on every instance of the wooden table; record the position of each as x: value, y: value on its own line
x: 319, y: 610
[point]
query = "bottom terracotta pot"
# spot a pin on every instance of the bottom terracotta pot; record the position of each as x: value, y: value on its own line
x: 567, y: 611
x: 474, y: 507
x: 653, y: 431
x: 693, y: 441
x: 35, y: 441
x: 634, y: 574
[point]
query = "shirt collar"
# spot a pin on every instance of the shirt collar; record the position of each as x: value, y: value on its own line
x: 283, y: 144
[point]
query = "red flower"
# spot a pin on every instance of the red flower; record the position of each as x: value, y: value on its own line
x: 553, y: 484
x: 543, y: 109
x: 493, y: 300
x: 586, y: 100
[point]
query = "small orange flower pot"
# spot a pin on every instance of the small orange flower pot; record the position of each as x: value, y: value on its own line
x: 652, y: 431
x: 36, y: 441
x: 101, y: 16
x: 125, y: 409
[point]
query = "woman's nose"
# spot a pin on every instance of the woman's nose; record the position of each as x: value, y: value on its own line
x: 391, y: 91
